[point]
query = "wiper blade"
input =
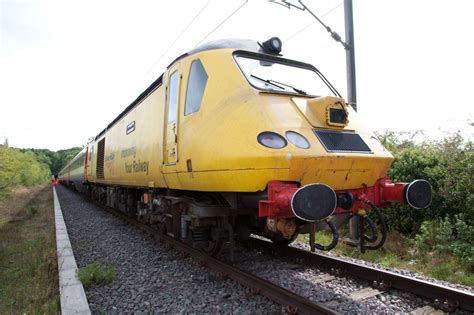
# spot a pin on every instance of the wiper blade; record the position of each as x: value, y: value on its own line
x: 267, y: 81
x: 291, y: 87
x: 278, y: 84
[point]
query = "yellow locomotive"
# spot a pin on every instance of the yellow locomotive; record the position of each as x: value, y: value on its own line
x: 234, y: 139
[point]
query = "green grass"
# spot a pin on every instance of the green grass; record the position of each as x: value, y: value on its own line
x: 28, y: 261
x: 95, y: 273
x: 399, y: 252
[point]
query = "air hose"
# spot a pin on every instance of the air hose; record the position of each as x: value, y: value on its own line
x: 335, y: 237
x: 383, y: 229
x: 373, y: 231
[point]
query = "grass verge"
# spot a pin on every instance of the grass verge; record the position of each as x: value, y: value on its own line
x: 400, y: 252
x: 95, y: 273
x: 12, y: 202
x: 28, y: 261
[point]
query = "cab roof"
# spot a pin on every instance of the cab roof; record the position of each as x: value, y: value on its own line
x: 233, y: 43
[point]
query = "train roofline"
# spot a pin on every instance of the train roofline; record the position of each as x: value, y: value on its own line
x: 243, y: 45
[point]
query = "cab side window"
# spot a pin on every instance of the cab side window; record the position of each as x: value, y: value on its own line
x: 173, y: 97
x: 196, y: 84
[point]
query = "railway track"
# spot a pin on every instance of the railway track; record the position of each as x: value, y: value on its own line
x: 445, y: 298
x: 293, y: 303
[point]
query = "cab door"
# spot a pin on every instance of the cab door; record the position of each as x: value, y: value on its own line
x: 170, y: 148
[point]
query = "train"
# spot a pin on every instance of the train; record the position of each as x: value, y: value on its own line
x: 235, y: 140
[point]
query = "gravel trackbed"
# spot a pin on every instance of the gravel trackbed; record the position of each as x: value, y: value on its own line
x: 150, y: 276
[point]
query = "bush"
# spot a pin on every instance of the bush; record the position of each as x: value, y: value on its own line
x: 446, y: 226
x: 447, y: 236
x: 463, y: 245
x: 447, y: 164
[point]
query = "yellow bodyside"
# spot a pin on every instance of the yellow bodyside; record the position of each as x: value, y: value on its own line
x: 135, y: 159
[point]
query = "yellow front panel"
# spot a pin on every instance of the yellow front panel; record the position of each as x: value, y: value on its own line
x: 220, y: 141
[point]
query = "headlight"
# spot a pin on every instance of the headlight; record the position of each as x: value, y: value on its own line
x: 271, y: 140
x: 297, y: 139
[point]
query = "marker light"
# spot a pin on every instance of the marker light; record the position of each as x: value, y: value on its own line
x: 272, y: 45
x: 297, y: 139
x: 271, y: 140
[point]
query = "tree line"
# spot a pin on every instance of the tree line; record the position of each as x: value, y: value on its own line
x: 28, y: 167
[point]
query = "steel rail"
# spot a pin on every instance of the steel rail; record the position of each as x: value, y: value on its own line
x: 294, y: 303
x: 452, y: 296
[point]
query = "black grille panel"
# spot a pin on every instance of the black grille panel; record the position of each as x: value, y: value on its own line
x: 100, y: 159
x: 337, y: 141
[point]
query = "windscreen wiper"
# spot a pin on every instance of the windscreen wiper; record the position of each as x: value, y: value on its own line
x: 291, y: 87
x: 267, y: 81
x: 277, y: 84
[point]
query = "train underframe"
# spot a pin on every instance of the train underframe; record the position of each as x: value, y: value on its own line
x: 208, y: 220
x: 204, y: 220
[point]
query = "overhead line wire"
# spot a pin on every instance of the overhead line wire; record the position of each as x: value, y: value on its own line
x: 220, y: 24
x: 311, y: 24
x: 179, y: 36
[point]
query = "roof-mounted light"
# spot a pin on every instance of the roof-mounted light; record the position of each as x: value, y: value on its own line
x: 272, y: 46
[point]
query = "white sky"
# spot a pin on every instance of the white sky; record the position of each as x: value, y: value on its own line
x: 68, y: 68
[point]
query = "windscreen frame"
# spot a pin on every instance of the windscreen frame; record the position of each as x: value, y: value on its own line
x: 284, y: 61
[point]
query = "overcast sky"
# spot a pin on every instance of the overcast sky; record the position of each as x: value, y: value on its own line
x: 69, y: 67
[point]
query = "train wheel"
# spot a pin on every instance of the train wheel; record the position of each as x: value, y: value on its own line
x: 214, y: 247
x: 207, y: 240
